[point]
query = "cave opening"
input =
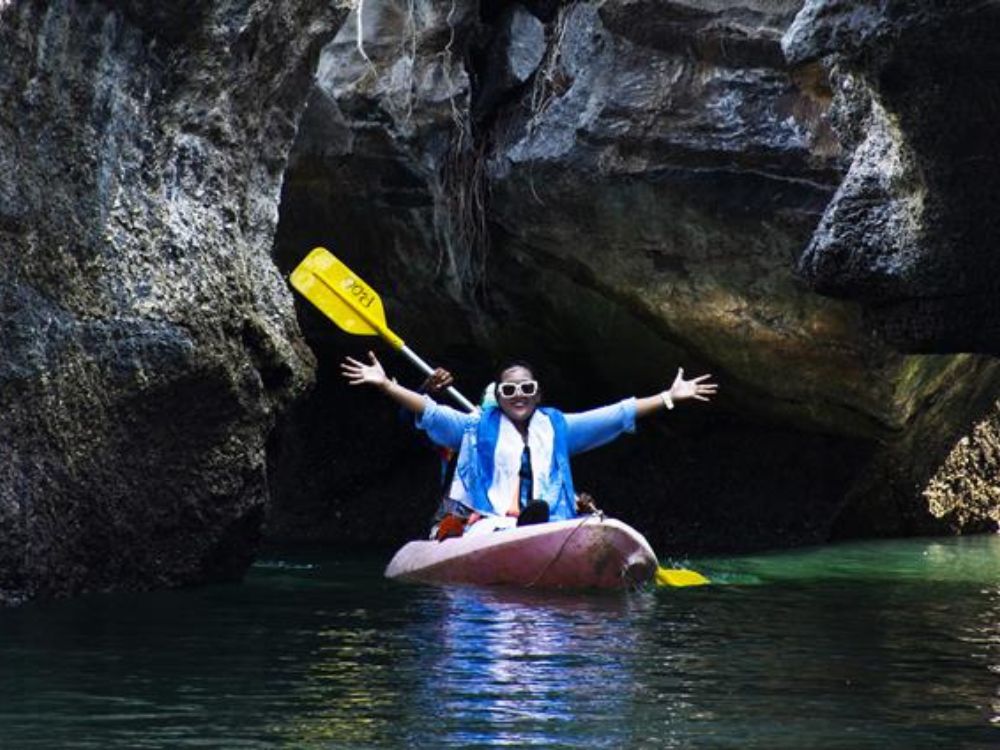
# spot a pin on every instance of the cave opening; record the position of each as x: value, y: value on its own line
x: 770, y: 466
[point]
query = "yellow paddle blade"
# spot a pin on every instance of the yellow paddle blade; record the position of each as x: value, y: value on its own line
x: 342, y: 295
x: 679, y: 577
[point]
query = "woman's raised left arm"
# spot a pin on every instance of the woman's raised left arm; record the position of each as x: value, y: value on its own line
x: 681, y: 390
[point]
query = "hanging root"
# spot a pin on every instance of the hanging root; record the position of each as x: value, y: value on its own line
x: 461, y: 197
x: 464, y: 191
x: 357, y: 7
x: 460, y: 215
x: 360, y: 39
x: 550, y: 80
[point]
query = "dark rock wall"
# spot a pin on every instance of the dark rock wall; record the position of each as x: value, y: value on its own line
x: 913, y: 229
x: 146, y: 340
x: 612, y: 190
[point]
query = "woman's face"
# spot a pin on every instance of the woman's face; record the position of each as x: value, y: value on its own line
x: 518, y: 394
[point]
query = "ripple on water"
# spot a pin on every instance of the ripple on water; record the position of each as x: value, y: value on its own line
x: 874, y: 645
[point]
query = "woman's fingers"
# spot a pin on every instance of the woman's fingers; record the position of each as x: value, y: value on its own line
x: 701, y: 388
x: 355, y: 371
x: 695, y: 388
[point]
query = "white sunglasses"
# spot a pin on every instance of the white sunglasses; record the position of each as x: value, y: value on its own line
x: 525, y: 388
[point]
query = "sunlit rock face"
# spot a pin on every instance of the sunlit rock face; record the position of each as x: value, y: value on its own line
x: 912, y: 231
x: 146, y: 340
x: 633, y: 197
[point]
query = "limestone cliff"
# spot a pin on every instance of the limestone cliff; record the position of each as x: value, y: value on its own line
x: 610, y: 188
x: 911, y: 232
x: 146, y: 339
x: 913, y: 227
x: 613, y: 189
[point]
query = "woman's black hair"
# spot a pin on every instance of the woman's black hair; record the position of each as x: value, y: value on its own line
x: 512, y: 363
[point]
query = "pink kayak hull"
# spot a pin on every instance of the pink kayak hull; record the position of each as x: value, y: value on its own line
x: 583, y: 553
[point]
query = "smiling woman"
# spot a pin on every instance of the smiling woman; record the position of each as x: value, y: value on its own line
x: 513, y: 462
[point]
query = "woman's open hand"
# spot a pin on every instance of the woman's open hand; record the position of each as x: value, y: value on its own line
x: 358, y: 373
x: 697, y: 388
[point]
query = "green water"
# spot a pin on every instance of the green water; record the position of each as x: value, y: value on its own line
x: 880, y: 645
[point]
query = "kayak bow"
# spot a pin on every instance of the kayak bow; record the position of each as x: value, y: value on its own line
x: 590, y: 552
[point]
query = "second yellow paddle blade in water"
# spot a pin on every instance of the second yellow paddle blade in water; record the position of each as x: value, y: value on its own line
x: 679, y: 577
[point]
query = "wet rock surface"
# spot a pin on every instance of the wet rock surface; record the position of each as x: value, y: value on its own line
x: 912, y: 230
x: 640, y: 202
x: 610, y: 190
x: 146, y: 339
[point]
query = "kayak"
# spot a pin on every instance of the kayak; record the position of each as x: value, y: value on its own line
x: 591, y: 552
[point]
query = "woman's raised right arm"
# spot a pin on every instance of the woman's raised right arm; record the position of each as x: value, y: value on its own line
x: 443, y: 425
x: 358, y: 373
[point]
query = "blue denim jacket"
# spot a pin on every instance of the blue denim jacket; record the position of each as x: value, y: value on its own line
x: 475, y: 435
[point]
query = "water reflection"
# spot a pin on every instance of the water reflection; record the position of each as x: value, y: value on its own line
x: 469, y: 668
x: 982, y: 634
x: 347, y: 691
x: 898, y: 647
x: 527, y: 668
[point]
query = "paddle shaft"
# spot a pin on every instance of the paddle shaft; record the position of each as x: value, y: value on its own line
x: 428, y: 370
x: 352, y: 304
x: 357, y: 308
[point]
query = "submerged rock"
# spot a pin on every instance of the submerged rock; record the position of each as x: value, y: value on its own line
x: 146, y: 340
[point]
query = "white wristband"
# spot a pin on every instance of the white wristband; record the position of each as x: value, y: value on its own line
x: 667, y: 401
